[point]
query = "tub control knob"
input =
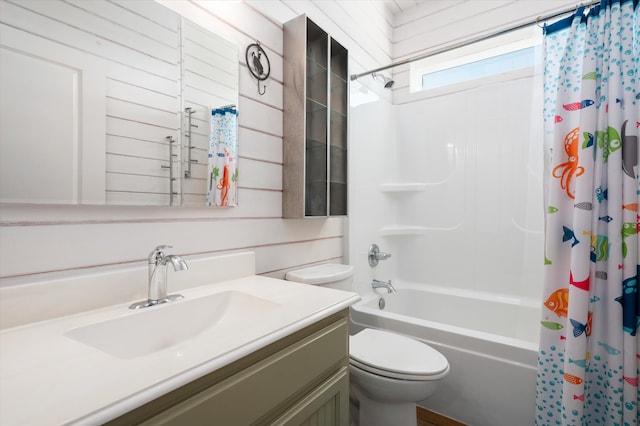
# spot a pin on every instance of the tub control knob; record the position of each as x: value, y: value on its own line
x: 375, y: 255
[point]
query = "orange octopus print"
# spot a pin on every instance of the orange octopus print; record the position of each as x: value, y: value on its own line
x: 570, y: 169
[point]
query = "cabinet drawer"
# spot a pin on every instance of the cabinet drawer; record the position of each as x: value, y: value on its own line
x: 265, y: 389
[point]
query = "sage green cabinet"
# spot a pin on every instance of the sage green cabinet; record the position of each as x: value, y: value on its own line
x: 302, y: 379
x: 325, y: 406
x: 315, y: 122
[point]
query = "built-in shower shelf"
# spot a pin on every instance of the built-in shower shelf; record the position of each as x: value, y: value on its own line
x: 401, y: 230
x: 403, y: 187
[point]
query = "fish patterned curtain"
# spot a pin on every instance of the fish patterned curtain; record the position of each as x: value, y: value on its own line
x: 222, y: 173
x: 589, y: 359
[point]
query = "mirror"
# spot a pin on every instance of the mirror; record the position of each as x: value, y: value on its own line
x: 108, y: 102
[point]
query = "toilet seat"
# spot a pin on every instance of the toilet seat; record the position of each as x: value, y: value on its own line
x: 395, y: 356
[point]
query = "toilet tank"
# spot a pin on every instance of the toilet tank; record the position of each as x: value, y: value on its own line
x: 332, y: 275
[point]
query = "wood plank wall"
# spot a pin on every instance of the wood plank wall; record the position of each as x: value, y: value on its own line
x: 139, y: 50
x: 53, y: 240
x: 140, y: 45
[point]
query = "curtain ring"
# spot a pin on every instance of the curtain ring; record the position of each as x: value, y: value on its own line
x: 538, y: 22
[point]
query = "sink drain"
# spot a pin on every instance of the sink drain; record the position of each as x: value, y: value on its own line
x: 381, y: 303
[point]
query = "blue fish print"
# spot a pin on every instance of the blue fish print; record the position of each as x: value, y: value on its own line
x: 610, y: 349
x: 569, y: 235
x: 588, y: 140
x: 586, y: 103
x: 638, y: 95
x: 601, y: 194
x: 594, y: 299
x: 578, y: 328
x: 579, y: 362
x: 574, y: 106
x: 630, y: 301
x: 606, y: 219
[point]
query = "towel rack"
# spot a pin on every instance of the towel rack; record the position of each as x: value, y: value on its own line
x: 189, y: 111
x: 172, y: 179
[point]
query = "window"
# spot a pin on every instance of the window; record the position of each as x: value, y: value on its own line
x: 500, y: 55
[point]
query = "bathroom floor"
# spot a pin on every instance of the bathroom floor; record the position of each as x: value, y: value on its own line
x: 429, y: 418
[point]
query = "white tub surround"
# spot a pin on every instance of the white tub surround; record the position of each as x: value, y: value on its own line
x: 46, y: 377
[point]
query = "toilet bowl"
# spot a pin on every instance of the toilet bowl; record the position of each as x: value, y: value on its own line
x: 389, y: 372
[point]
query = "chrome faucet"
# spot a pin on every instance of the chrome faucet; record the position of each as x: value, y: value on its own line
x: 383, y: 284
x: 158, y: 261
x: 376, y: 255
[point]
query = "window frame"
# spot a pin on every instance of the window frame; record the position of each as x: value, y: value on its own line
x: 469, y: 54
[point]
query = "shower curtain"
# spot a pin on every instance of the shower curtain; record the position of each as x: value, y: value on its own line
x: 222, y: 171
x: 589, y: 359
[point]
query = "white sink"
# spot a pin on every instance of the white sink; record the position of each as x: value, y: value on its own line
x: 159, y: 327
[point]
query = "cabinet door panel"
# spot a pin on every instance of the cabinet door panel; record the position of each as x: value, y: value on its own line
x: 328, y: 405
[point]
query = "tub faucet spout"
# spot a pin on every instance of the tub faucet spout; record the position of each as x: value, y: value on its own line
x: 383, y: 284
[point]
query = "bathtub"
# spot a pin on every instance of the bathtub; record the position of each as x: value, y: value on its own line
x: 491, y: 343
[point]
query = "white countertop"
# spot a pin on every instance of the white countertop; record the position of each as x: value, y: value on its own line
x: 47, y: 378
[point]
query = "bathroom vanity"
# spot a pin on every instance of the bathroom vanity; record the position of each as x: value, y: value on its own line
x: 299, y: 377
x: 238, y: 349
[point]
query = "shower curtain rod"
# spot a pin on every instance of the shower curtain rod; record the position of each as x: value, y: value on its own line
x: 474, y: 40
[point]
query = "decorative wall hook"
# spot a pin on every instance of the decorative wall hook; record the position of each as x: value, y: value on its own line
x: 253, y: 56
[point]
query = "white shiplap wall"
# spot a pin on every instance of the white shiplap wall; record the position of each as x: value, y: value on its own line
x: 138, y: 46
x: 45, y: 239
x: 50, y: 240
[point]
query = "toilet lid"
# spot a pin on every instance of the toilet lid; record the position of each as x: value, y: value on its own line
x: 321, y: 274
x: 392, y: 355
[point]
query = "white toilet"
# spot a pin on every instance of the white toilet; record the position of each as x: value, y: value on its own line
x: 389, y: 373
